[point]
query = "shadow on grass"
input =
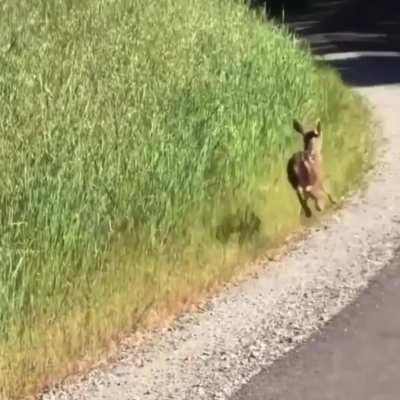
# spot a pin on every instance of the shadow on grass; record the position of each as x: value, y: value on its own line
x: 246, y: 224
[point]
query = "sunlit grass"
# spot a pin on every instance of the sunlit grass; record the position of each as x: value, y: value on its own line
x: 135, y: 137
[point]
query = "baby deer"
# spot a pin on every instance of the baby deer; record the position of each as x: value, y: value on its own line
x: 304, y: 169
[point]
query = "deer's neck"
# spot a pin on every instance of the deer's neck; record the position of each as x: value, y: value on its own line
x: 314, y: 156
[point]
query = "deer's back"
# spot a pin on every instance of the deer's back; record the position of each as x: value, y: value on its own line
x: 301, y: 171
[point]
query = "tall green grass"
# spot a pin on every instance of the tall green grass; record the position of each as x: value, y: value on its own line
x: 138, y: 139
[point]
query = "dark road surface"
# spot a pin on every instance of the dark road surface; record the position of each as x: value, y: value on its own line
x: 357, y: 355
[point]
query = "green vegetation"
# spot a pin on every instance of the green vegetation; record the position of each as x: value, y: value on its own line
x: 141, y: 145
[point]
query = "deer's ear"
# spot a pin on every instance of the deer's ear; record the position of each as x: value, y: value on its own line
x: 298, y: 127
x: 319, y: 126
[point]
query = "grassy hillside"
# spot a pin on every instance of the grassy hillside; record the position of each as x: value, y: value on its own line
x: 142, y: 156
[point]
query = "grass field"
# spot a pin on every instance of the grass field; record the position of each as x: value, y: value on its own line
x: 142, y: 158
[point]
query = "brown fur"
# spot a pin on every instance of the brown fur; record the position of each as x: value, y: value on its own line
x: 304, y: 169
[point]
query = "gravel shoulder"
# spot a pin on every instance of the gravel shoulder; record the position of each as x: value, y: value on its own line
x: 212, y: 353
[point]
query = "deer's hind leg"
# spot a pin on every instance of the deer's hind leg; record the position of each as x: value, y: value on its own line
x: 328, y: 195
x: 303, y: 201
x: 317, y: 198
x: 317, y: 194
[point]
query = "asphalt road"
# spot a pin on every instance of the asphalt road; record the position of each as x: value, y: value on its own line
x: 357, y: 355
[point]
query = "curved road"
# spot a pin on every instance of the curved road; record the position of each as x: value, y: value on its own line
x: 357, y: 355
